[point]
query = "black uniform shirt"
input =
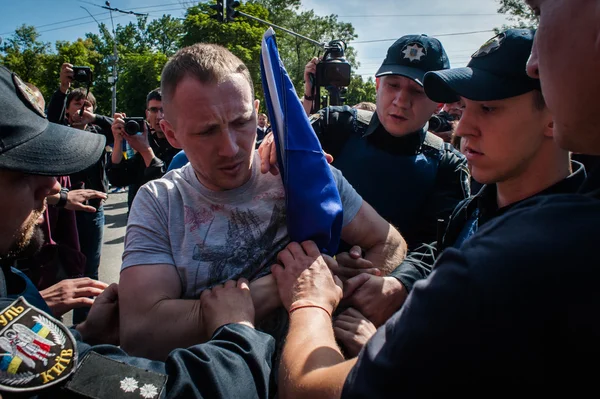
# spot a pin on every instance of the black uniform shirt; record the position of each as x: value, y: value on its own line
x: 513, y: 312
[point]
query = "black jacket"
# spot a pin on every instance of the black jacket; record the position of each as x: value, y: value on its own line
x: 512, y: 312
x: 474, y: 212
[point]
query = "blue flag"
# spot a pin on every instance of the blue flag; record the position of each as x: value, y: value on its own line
x: 313, y: 205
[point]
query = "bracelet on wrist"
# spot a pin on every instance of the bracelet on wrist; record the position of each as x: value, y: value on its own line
x: 294, y: 308
x: 309, y: 98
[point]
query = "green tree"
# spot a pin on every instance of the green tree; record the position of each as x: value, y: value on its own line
x: 164, y: 34
x: 77, y: 53
x: 296, y: 52
x: 103, y: 45
x: 24, y: 53
x: 360, y: 90
x: 242, y: 37
x: 519, y: 13
x: 140, y: 73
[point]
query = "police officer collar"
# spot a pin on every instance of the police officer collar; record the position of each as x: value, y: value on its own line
x: 408, y: 144
x: 486, y: 199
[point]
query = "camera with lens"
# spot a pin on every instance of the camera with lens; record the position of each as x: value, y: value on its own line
x: 441, y: 122
x: 333, y: 69
x: 134, y: 125
x: 82, y: 74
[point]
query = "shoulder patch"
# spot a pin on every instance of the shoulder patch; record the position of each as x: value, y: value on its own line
x: 37, y: 351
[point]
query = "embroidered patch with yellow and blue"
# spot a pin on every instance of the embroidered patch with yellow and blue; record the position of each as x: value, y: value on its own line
x: 36, y: 350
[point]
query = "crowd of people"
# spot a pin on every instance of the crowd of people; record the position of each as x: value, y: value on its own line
x: 466, y: 257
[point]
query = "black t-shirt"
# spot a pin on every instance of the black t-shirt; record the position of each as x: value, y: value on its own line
x: 513, y: 312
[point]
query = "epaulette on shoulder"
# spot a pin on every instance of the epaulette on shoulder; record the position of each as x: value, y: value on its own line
x: 363, y: 116
x: 433, y: 141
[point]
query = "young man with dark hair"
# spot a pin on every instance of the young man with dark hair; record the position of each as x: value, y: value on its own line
x: 153, y: 153
x: 507, y: 131
x: 263, y: 127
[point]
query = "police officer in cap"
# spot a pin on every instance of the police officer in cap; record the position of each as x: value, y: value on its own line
x: 507, y: 131
x: 38, y: 354
x: 411, y: 177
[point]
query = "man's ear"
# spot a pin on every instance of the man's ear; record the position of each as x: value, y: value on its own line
x: 170, y: 133
x: 549, y: 129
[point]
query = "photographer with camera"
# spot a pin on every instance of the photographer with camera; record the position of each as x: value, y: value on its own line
x: 310, y: 70
x: 75, y: 108
x: 153, y: 153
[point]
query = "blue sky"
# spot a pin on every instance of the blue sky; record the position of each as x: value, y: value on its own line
x: 372, y: 19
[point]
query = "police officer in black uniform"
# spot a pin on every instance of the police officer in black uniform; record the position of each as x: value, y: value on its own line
x: 410, y: 176
x: 495, y: 77
x: 39, y: 356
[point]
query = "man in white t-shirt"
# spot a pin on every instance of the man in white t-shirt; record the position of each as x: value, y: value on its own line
x: 218, y: 218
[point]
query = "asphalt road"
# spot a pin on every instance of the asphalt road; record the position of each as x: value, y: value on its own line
x: 115, y: 221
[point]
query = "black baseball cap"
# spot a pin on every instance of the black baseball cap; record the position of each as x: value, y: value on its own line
x: 29, y: 143
x: 496, y: 71
x: 413, y: 56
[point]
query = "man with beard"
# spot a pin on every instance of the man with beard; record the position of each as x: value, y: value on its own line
x: 32, y: 151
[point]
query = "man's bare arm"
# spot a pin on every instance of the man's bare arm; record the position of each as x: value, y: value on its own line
x: 384, y: 246
x: 152, y: 308
x: 153, y: 320
x: 265, y: 296
x: 313, y: 365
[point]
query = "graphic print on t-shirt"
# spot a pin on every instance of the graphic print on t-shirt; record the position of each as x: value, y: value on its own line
x: 245, y: 249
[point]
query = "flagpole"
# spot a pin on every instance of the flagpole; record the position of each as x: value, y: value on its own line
x: 283, y: 29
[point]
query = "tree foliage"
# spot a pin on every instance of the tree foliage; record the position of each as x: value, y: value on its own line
x: 359, y: 91
x: 143, y: 49
x: 24, y: 53
x: 519, y: 13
